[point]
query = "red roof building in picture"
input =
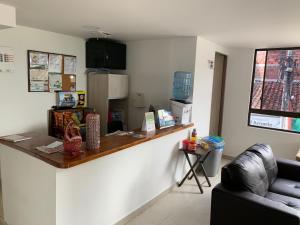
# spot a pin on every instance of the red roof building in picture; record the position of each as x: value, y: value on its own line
x: 276, y: 86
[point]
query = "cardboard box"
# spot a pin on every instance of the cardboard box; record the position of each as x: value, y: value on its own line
x: 182, y: 112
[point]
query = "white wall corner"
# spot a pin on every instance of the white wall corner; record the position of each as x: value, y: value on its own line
x: 203, y: 83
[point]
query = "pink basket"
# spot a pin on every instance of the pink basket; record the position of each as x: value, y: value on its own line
x: 72, y: 139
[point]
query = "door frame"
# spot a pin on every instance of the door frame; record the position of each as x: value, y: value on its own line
x: 224, y: 71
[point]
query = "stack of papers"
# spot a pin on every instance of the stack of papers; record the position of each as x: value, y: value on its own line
x: 14, y: 138
x: 56, y: 146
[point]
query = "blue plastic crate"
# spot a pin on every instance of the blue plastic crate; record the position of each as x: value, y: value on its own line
x: 215, y: 142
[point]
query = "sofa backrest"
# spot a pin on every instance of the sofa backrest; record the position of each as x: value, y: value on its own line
x: 265, y: 153
x: 246, y: 172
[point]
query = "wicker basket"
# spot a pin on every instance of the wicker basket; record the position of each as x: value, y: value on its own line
x: 72, y: 139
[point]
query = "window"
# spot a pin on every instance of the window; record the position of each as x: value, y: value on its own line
x: 275, y: 90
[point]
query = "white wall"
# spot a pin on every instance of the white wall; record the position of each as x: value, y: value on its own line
x: 28, y: 189
x: 151, y: 65
x: 20, y: 110
x: 203, y: 83
x: 7, y: 16
x: 238, y: 135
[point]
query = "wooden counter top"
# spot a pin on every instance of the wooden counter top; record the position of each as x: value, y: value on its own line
x: 109, y: 145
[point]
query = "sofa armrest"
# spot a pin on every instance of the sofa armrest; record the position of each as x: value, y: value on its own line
x: 288, y: 169
x: 244, y: 208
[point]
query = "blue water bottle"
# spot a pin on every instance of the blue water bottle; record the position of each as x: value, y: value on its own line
x: 182, y: 85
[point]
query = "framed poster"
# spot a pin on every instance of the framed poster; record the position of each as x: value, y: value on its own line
x: 49, y: 72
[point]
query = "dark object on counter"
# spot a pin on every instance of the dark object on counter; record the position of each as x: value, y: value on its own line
x: 201, y: 156
x: 58, y: 120
x: 181, y: 101
x: 114, y: 126
x: 152, y: 109
x: 93, y: 131
x: 257, y: 189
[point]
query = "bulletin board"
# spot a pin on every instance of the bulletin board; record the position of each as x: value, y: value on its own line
x: 50, y: 72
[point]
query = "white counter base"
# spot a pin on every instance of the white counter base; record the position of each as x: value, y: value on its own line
x: 99, y: 192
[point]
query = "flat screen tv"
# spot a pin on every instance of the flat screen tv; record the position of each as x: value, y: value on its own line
x: 105, y: 54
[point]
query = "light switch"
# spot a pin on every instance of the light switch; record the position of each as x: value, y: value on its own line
x: 139, y: 100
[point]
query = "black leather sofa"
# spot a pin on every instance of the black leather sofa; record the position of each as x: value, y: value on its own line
x: 257, y: 189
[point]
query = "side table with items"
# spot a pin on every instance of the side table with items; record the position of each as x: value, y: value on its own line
x: 208, y: 151
x: 201, y: 156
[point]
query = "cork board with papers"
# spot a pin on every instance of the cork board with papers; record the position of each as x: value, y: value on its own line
x: 51, y: 72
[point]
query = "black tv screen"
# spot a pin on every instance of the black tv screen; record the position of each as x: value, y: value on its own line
x: 105, y: 53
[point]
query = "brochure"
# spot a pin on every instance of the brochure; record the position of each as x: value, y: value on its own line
x: 14, y: 138
x: 149, y: 122
x: 56, y: 146
x: 165, y: 118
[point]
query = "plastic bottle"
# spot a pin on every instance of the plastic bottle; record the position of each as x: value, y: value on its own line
x: 194, y: 136
x: 182, y: 85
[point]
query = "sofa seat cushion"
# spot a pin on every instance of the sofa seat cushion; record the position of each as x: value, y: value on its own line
x: 265, y: 153
x: 286, y: 200
x: 286, y: 187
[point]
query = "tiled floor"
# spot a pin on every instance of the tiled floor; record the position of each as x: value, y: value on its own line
x: 182, y: 206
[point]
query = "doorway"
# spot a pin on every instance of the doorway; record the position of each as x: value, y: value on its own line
x: 218, y: 90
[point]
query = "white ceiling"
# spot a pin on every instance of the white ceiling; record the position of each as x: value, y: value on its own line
x: 246, y: 23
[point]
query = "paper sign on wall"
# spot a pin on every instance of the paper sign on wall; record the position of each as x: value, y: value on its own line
x: 7, y: 60
x: 69, y: 65
x: 55, y: 63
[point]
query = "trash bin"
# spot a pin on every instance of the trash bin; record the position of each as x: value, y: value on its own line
x: 213, y: 162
